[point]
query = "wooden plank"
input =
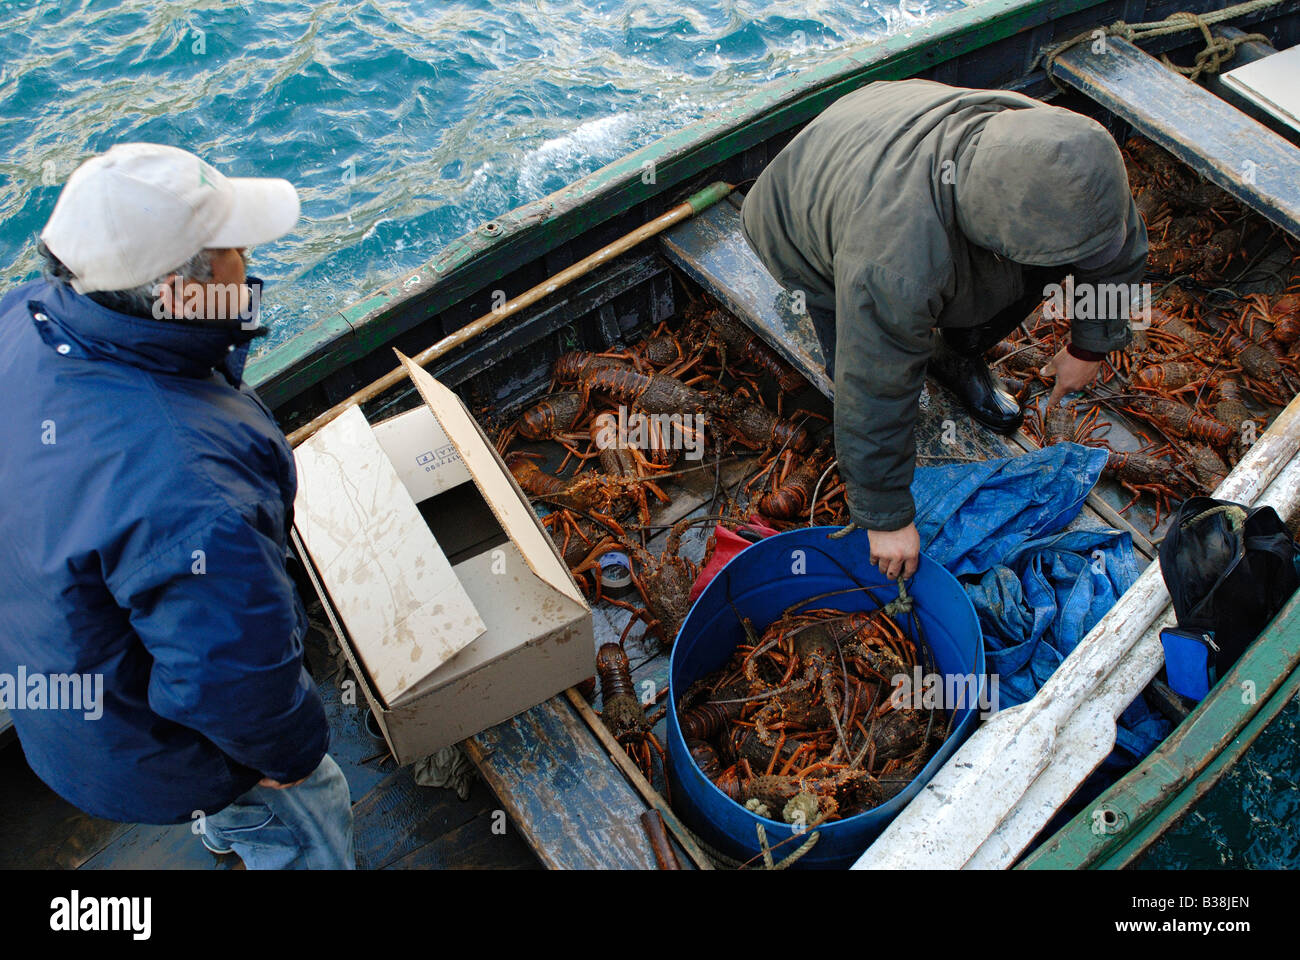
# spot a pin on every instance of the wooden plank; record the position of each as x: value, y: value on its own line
x: 1153, y: 794
x: 38, y: 828
x: 1218, y: 141
x: 710, y: 249
x: 572, y: 806
x: 146, y: 847
x: 473, y: 844
x: 399, y: 816
x: 351, y: 746
x: 648, y: 793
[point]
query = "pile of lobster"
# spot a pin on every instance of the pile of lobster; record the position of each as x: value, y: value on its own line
x: 625, y: 421
x: 802, y: 724
x: 1210, y: 364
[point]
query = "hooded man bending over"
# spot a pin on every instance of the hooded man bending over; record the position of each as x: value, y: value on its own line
x: 909, y: 206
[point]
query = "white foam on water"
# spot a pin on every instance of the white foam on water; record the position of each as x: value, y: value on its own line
x: 603, y: 137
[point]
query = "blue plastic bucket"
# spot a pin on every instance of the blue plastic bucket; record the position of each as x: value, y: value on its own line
x: 761, y: 583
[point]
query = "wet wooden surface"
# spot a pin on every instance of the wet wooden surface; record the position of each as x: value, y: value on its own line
x: 710, y: 249
x: 573, y: 806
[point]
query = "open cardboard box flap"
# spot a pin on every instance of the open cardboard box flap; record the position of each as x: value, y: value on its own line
x: 391, y: 582
x: 494, y: 481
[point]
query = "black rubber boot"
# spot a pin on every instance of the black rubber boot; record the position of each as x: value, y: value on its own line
x: 970, y: 378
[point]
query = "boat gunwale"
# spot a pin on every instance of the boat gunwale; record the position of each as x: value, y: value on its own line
x: 1187, y: 764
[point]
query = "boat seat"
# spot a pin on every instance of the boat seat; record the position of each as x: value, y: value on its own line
x: 572, y: 805
x: 1211, y: 136
x: 710, y: 249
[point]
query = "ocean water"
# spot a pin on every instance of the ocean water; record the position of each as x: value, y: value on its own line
x: 403, y: 124
x: 1251, y: 818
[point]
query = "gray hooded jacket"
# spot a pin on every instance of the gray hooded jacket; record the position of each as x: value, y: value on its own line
x: 911, y: 205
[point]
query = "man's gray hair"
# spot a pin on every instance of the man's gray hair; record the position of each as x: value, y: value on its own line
x: 137, y: 301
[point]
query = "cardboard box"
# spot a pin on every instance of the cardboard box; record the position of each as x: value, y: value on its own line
x: 452, y: 603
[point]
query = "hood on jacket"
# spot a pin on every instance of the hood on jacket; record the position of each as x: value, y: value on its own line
x: 1043, y: 187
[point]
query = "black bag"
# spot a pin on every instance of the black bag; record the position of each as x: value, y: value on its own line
x: 1229, y: 570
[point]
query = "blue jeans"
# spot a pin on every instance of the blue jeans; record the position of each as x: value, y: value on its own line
x: 307, y: 827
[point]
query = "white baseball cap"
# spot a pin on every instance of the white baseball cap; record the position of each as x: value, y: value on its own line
x: 141, y: 210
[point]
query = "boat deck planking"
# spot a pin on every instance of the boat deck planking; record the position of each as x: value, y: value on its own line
x: 572, y: 805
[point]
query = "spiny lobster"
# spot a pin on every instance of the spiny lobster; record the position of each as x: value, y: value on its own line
x: 622, y: 712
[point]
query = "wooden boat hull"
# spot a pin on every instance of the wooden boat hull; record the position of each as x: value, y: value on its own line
x: 994, y: 44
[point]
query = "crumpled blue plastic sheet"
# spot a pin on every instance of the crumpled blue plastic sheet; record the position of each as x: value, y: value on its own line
x: 999, y: 526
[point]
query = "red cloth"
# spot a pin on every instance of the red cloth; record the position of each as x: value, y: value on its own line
x: 726, y: 545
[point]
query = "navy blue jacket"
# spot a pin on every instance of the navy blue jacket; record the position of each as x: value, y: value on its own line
x: 147, y: 494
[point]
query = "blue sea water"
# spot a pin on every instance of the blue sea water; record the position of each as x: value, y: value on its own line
x: 403, y: 123
x: 1251, y: 818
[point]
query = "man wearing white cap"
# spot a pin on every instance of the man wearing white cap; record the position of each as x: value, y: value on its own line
x: 148, y: 560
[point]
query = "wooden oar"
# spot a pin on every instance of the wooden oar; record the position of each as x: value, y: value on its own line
x: 693, y: 205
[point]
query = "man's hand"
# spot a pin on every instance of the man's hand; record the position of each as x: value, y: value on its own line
x: 896, y: 551
x: 1070, y: 372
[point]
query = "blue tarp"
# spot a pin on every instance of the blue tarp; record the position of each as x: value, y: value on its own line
x: 999, y: 526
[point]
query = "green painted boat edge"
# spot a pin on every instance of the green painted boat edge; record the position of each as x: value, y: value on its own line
x: 489, y: 252
x: 1138, y: 842
x: 1153, y: 795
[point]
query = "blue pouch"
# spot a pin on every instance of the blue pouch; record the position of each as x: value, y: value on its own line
x: 1189, y: 661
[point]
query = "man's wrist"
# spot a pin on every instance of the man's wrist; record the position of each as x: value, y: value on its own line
x: 1082, y: 353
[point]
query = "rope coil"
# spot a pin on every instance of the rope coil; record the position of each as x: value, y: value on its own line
x: 1217, y: 51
